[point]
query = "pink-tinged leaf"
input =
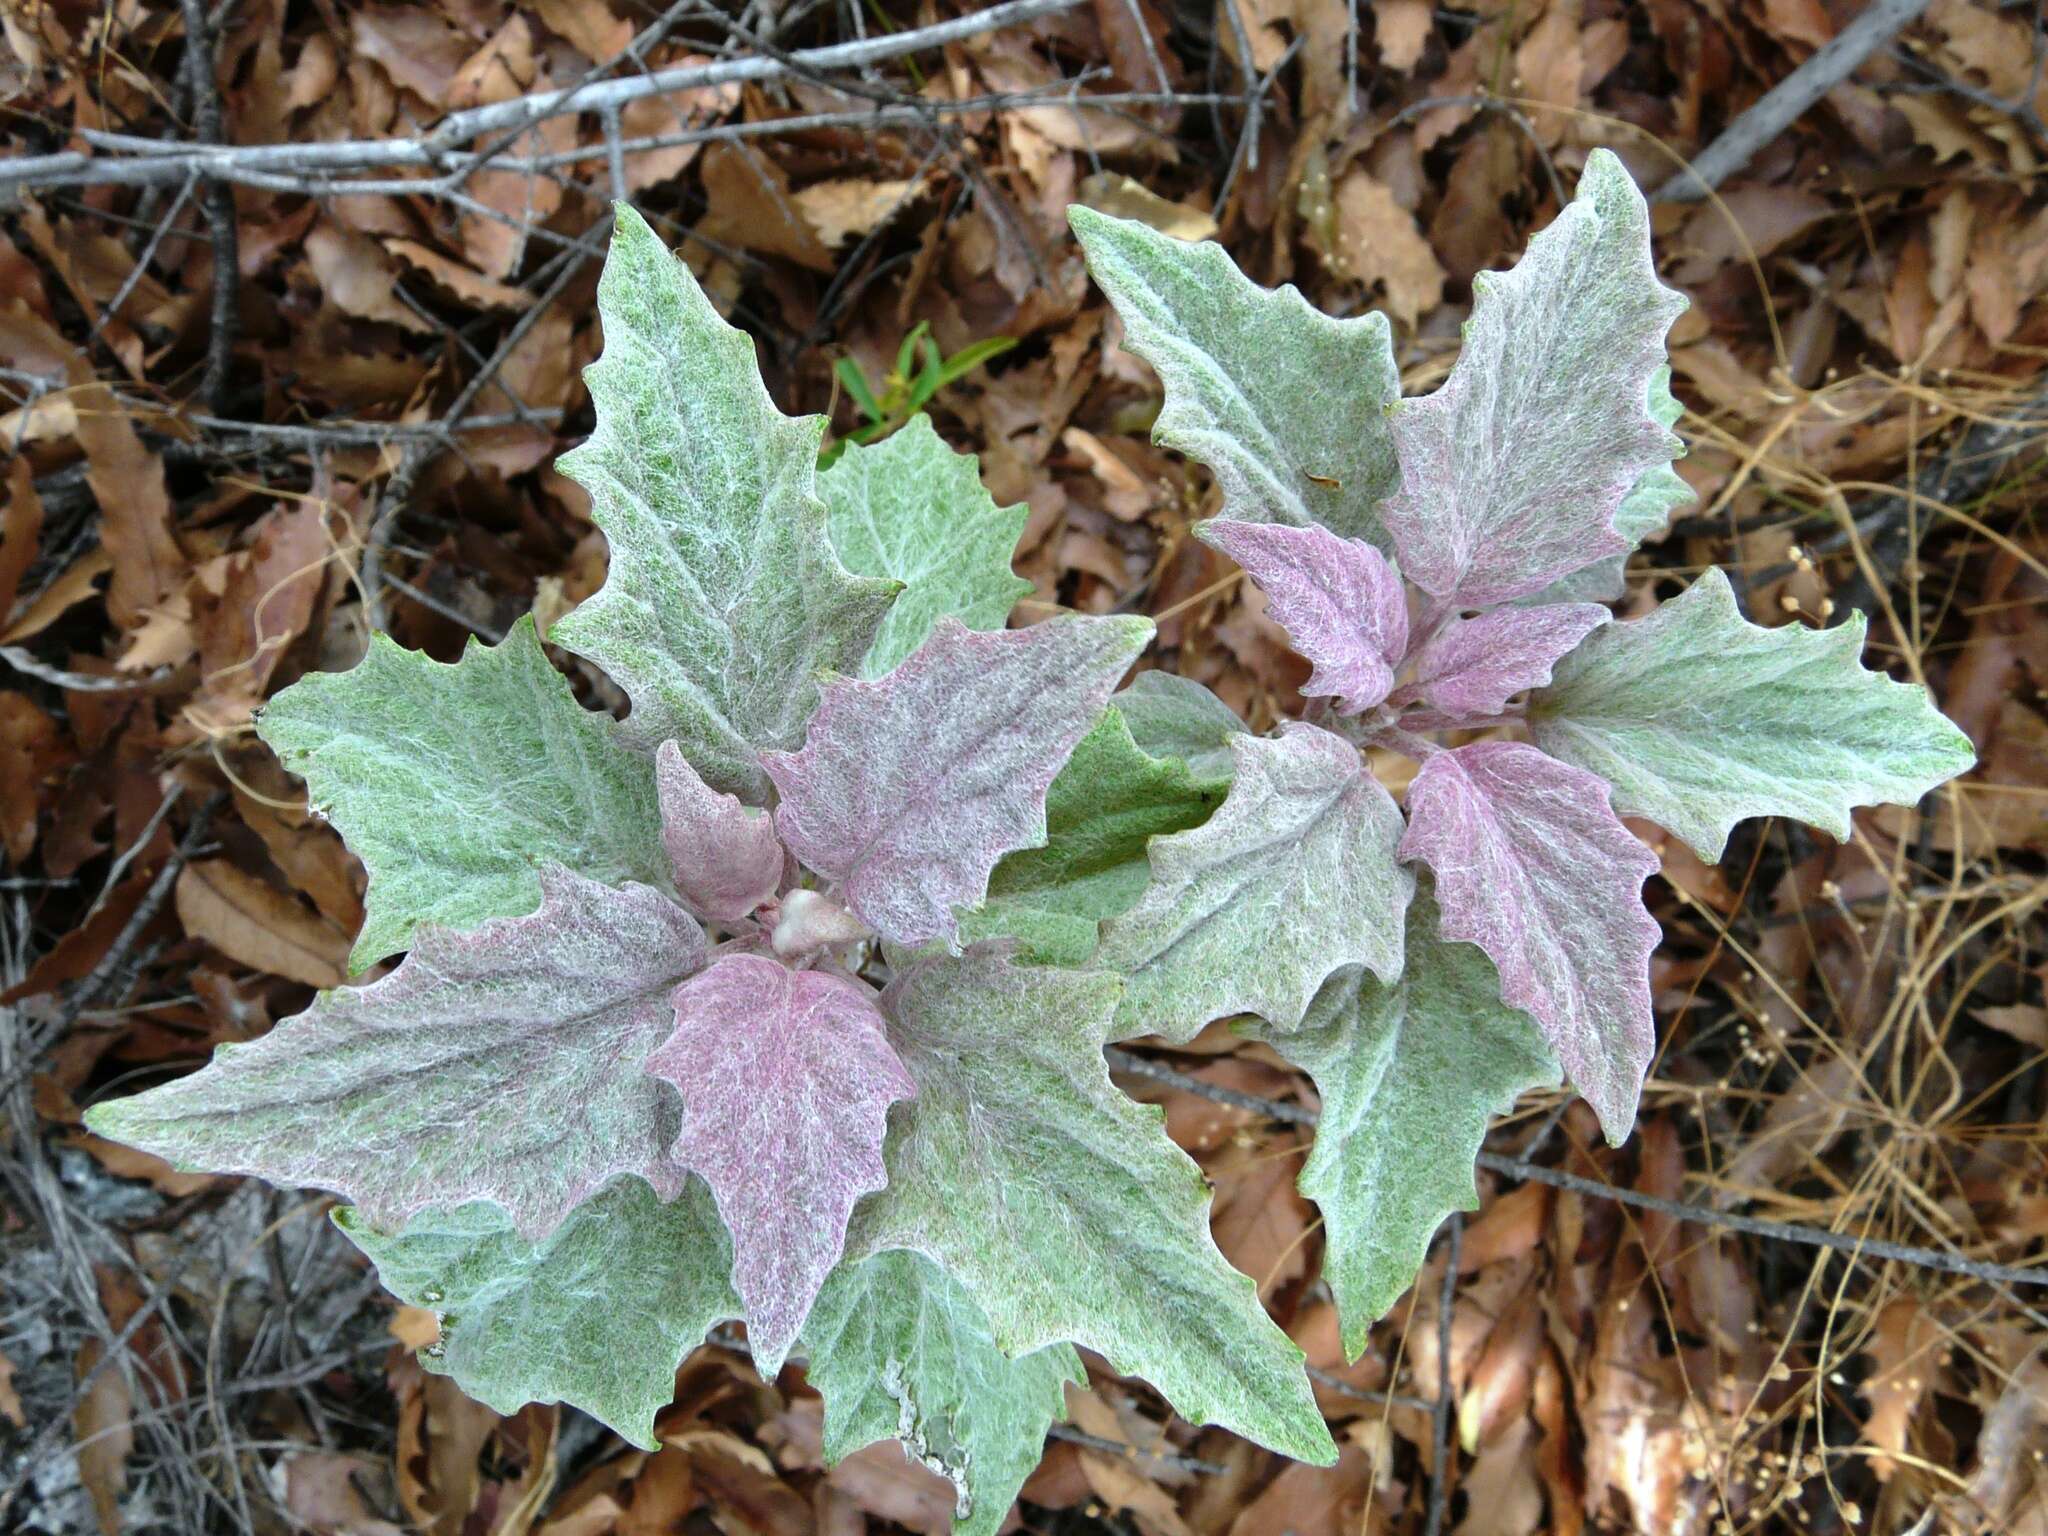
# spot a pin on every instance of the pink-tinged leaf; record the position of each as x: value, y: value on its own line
x: 497, y: 1063
x: 910, y: 787
x: 1472, y: 667
x: 1339, y: 600
x: 1534, y: 867
x: 1513, y: 471
x: 787, y: 1078
x: 726, y: 855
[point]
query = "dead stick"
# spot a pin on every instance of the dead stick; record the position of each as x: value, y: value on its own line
x: 1440, y: 1438
x: 1855, y: 1244
x: 143, y: 161
x: 219, y: 207
x: 1775, y: 110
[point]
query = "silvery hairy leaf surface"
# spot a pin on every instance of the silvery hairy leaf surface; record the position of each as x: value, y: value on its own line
x: 784, y: 999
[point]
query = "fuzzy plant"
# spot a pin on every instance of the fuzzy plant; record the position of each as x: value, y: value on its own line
x: 784, y: 1000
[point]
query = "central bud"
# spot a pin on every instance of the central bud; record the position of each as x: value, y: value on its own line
x: 810, y: 922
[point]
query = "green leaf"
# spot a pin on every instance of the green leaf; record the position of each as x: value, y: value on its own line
x: 855, y: 383
x: 1061, y: 1206
x: 901, y: 1352
x: 451, y: 783
x: 1286, y: 406
x: 1174, y: 716
x: 1294, y: 876
x: 911, y: 509
x: 906, y: 352
x: 1107, y: 803
x: 1409, y: 1076
x: 599, y: 1314
x: 972, y: 356
x: 1661, y: 491
x: 1699, y: 718
x: 926, y: 383
x: 724, y: 602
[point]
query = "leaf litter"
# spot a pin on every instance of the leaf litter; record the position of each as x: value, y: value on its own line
x: 1847, y: 1034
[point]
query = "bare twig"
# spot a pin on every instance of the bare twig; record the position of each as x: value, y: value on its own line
x: 78, y: 682
x: 1124, y: 1451
x: 1775, y: 110
x: 142, y: 161
x: 1518, y: 1168
x: 95, y: 982
x: 420, y: 452
x: 1440, y: 1458
x: 1246, y: 154
x: 2019, y: 107
x: 448, y: 611
x: 142, y: 262
x: 1343, y: 1388
x: 218, y: 204
x: 1966, y: 471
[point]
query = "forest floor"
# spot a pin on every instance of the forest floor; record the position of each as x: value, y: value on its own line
x: 255, y: 403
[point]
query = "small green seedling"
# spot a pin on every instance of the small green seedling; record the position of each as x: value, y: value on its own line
x: 920, y: 373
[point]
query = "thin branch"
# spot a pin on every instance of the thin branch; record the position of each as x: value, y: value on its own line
x: 1124, y: 1451
x: 347, y: 432
x: 96, y: 981
x: 1121, y: 1060
x: 1967, y: 470
x: 1774, y: 111
x: 420, y: 452
x: 145, y: 162
x: 488, y: 632
x: 310, y: 181
x: 78, y: 682
x: 142, y: 262
x: 1440, y: 1459
x: 1343, y: 1388
x: 218, y: 204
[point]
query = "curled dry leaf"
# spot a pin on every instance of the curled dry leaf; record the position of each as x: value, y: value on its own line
x: 251, y: 921
x: 357, y: 277
x: 1378, y: 243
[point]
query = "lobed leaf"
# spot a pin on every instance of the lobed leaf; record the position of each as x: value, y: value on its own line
x: 1533, y: 867
x: 900, y: 1351
x: 1644, y: 511
x: 508, y: 768
x: 724, y: 855
x: 724, y: 601
x: 1107, y: 804
x: 1648, y: 506
x: 1060, y: 1205
x: 1285, y: 405
x: 501, y: 1063
x: 912, y: 786
x: 1699, y: 718
x: 1470, y: 668
x: 1340, y: 601
x: 1408, y: 1075
x: 786, y: 1078
x: 1514, y: 470
x: 911, y: 509
x: 1173, y: 716
x: 1293, y: 876
x: 597, y: 1314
